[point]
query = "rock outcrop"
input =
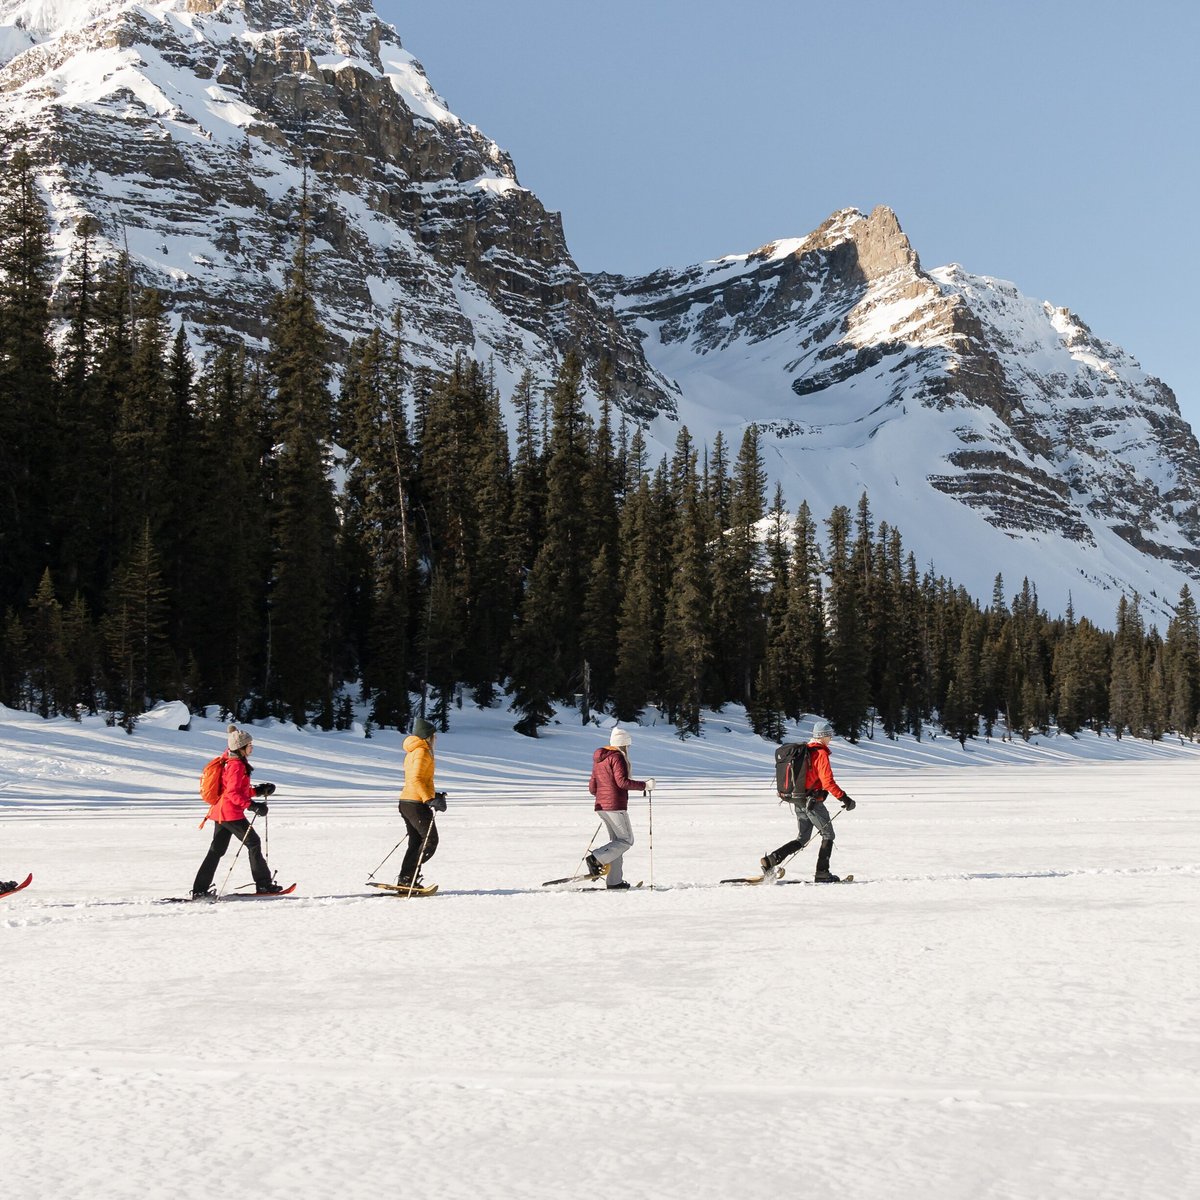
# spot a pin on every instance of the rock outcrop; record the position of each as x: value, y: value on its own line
x: 866, y: 371
x: 190, y: 129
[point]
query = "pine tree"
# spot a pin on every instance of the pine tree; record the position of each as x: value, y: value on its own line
x: 85, y: 426
x: 227, y: 543
x: 548, y: 659
x: 1157, y: 696
x: 601, y: 490
x: 47, y: 660
x: 1127, y: 690
x: 637, y: 641
x: 14, y: 656
x: 492, y: 583
x: 378, y: 527
x: 141, y: 448
x: 300, y: 637
x: 686, y: 640
x: 847, y: 705
x: 772, y: 697
x: 135, y: 629
x: 737, y: 604
x: 960, y: 715
x: 1183, y: 666
x: 528, y: 485
x: 805, y: 642
x: 81, y: 646
x: 27, y: 383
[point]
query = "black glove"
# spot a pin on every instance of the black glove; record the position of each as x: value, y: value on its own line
x: 848, y: 804
x: 259, y: 808
x: 439, y: 801
x: 264, y: 789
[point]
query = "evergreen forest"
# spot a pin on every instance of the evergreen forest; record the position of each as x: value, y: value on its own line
x: 315, y: 535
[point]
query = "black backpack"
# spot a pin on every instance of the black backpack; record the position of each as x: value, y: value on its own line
x: 791, y: 769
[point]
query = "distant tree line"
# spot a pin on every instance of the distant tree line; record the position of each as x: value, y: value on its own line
x: 243, y: 534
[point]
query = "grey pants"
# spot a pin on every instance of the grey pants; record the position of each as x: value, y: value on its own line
x: 620, y: 831
x: 815, y: 817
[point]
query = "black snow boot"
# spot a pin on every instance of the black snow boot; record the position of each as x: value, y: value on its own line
x: 824, y: 874
x: 595, y: 867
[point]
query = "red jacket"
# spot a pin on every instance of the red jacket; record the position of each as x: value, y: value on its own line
x: 610, y: 782
x: 236, y: 791
x: 820, y: 774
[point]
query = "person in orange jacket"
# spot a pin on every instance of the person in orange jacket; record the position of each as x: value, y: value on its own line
x: 229, y: 813
x: 418, y: 801
x: 811, y: 813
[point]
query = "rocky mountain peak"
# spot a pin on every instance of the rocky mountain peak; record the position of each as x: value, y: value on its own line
x: 997, y: 431
x: 188, y: 130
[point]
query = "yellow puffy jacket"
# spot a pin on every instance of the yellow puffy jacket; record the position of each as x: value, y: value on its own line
x: 418, y: 769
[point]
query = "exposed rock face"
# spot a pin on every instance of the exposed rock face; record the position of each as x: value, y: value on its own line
x: 998, y: 432
x: 869, y: 372
x: 185, y: 126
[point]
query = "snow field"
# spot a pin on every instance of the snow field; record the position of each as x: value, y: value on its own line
x: 1007, y: 1008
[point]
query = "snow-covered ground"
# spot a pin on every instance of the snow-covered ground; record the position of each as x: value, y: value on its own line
x: 1006, y: 1007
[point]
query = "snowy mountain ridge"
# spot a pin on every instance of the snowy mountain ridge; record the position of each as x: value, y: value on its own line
x: 189, y: 130
x: 997, y: 432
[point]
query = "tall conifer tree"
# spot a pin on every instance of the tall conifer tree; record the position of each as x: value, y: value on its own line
x: 300, y: 637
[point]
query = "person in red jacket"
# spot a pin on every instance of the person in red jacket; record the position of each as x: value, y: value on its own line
x: 229, y: 813
x: 811, y: 813
x: 611, y: 784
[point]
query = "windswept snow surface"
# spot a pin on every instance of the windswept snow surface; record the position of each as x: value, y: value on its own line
x: 1004, y: 1008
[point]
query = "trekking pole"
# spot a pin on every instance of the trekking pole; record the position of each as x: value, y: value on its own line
x: 225, y: 882
x: 650, y: 804
x: 412, y: 883
x: 388, y: 855
x: 588, y: 851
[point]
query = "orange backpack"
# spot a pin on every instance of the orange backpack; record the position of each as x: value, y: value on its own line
x: 211, y: 780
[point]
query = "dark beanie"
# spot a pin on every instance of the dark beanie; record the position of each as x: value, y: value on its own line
x: 423, y: 729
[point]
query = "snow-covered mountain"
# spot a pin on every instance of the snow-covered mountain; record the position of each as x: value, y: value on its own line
x: 182, y: 128
x: 996, y: 431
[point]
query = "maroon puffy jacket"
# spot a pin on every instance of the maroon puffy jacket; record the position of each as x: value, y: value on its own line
x: 610, y: 782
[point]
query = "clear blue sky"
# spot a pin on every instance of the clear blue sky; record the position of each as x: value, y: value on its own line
x: 1052, y: 143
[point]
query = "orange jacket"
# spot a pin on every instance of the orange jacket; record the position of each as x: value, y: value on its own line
x: 418, y: 769
x: 820, y: 774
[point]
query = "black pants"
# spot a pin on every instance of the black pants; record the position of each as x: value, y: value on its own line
x: 223, y: 833
x: 418, y: 816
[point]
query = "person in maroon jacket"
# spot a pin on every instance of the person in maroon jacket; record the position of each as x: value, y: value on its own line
x: 611, y: 784
x: 229, y: 813
x: 811, y: 812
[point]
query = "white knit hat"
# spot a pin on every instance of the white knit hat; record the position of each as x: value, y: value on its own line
x: 238, y: 739
x: 619, y: 737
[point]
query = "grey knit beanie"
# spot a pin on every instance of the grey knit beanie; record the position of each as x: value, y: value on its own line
x: 238, y: 739
x: 423, y: 729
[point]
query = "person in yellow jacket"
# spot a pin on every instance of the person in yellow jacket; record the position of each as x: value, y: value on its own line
x: 418, y: 801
